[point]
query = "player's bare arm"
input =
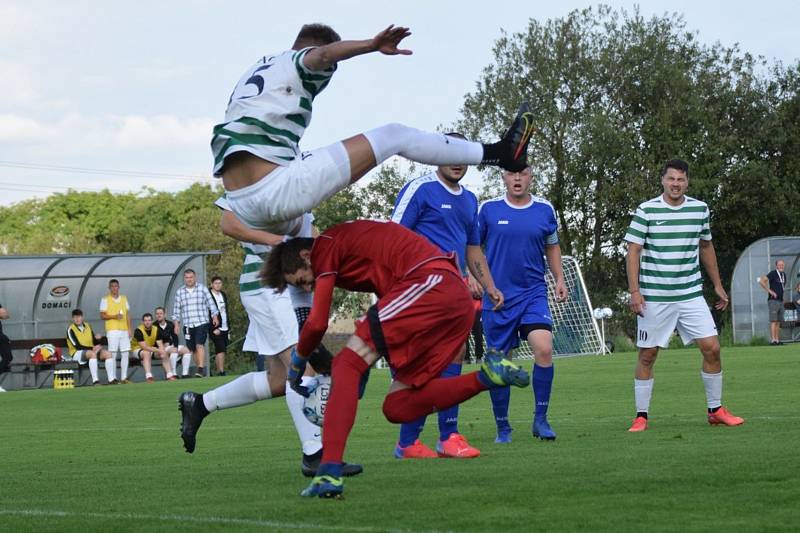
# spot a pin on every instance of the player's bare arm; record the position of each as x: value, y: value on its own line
x: 476, y: 262
x: 708, y: 256
x: 553, y: 253
x: 324, y: 57
x: 632, y: 261
x: 234, y: 228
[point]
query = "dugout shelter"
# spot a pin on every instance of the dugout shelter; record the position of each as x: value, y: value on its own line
x: 749, y: 311
x: 40, y: 292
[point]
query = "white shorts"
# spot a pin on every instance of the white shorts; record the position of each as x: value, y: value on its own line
x: 277, y: 202
x: 118, y: 340
x: 691, y: 318
x: 273, y: 326
x: 80, y: 357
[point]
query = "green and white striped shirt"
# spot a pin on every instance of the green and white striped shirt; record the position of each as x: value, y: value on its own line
x: 670, y: 237
x: 254, y: 254
x: 269, y: 109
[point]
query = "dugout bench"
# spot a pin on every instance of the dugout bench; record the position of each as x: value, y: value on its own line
x: 25, y: 374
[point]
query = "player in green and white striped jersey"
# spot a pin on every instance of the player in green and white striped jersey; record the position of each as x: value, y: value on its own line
x: 668, y: 238
x: 270, y: 183
x: 271, y: 333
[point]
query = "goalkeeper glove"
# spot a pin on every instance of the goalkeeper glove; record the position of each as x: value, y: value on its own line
x: 296, y: 370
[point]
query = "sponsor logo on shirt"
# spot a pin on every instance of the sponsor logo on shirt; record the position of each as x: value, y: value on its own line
x: 502, y: 221
x: 659, y: 222
x: 447, y: 206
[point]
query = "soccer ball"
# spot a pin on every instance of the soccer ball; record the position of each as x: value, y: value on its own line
x: 314, y: 405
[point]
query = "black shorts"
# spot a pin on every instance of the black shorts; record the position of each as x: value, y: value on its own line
x: 196, y: 335
x: 220, y: 341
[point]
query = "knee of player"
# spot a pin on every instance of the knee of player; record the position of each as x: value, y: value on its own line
x: 647, y: 357
x: 394, y: 408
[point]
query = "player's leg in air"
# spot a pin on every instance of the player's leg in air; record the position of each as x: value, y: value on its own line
x: 420, y: 339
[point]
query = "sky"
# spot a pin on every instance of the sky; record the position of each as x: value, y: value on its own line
x: 121, y: 95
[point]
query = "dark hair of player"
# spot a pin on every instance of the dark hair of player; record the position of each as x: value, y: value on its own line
x: 215, y: 278
x: 159, y: 307
x: 77, y: 312
x: 315, y: 35
x: 112, y: 281
x: 284, y: 259
x: 677, y: 164
x: 188, y: 271
x: 147, y: 315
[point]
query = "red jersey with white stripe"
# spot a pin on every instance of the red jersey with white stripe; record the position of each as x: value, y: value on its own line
x: 367, y: 256
x: 371, y: 256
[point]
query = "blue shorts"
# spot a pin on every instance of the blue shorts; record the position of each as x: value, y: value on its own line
x: 503, y: 329
x: 195, y: 336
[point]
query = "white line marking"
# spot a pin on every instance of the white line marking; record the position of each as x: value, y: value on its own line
x: 200, y: 520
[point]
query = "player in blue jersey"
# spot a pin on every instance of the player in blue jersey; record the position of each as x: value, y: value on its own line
x: 518, y: 230
x: 437, y: 207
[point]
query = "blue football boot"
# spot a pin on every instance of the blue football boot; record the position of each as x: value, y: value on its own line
x: 541, y: 429
x: 497, y: 371
x: 327, y: 483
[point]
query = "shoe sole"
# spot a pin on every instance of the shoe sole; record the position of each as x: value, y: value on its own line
x: 307, y: 472
x: 536, y: 435
x: 186, y: 445
x: 721, y: 423
x: 441, y: 455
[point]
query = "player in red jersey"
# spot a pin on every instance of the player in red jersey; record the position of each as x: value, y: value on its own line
x: 422, y: 318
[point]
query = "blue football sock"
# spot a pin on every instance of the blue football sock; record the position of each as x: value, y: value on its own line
x: 260, y: 362
x: 500, y: 399
x: 409, y: 432
x: 448, y: 418
x: 542, y: 384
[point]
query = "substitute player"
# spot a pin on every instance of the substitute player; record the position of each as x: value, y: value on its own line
x: 519, y: 230
x: 437, y: 207
x: 172, y: 344
x: 420, y: 322
x: 272, y: 333
x: 83, y: 347
x: 668, y: 238
x: 148, y: 341
x: 270, y: 184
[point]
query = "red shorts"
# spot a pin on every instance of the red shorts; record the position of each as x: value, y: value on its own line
x: 425, y: 318
x: 476, y: 302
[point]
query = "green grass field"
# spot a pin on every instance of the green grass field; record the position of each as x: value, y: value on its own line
x: 110, y: 458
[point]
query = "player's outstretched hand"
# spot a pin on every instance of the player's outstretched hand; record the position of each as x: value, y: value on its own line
x: 386, y: 41
x: 722, y: 304
x: 295, y: 375
x: 496, y: 297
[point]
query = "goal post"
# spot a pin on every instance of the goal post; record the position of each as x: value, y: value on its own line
x: 575, y: 330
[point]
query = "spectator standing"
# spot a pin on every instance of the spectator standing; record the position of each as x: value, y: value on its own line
x: 114, y: 309
x: 5, y: 344
x: 219, y: 335
x: 84, y: 348
x: 774, y: 283
x: 193, y: 304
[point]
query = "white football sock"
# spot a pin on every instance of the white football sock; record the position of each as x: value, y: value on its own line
x: 124, y: 359
x: 421, y: 146
x: 148, y: 374
x: 310, y: 434
x: 93, y: 369
x: 643, y: 391
x: 713, y: 385
x: 186, y: 362
x: 111, y: 368
x: 173, y: 360
x: 243, y: 390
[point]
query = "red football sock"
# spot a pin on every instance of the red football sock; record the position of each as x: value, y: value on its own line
x: 340, y: 412
x: 407, y: 405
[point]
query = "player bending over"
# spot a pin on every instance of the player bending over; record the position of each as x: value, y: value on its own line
x: 518, y: 231
x: 270, y: 184
x: 421, y: 320
x: 668, y: 238
x: 272, y: 333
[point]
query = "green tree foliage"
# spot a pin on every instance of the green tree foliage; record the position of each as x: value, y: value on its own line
x: 614, y: 96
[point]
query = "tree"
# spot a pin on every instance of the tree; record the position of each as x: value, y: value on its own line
x: 614, y: 96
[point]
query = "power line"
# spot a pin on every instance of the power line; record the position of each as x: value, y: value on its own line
x: 88, y: 170
x: 58, y: 187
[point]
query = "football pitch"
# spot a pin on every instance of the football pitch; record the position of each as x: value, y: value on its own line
x: 110, y: 458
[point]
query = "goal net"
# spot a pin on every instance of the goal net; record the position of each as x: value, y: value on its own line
x: 575, y: 330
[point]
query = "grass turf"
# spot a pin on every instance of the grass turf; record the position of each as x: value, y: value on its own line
x: 108, y: 458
